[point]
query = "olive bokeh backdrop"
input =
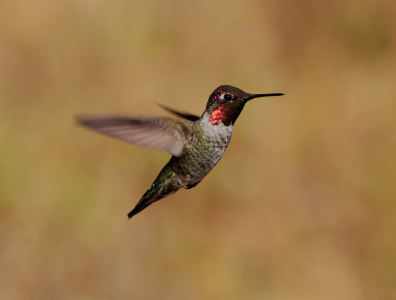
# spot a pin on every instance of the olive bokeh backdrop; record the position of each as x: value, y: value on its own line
x: 301, y: 206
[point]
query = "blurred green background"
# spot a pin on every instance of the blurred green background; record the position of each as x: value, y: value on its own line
x: 303, y: 203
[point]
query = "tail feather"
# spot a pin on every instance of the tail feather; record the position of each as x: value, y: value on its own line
x: 164, y: 185
x: 138, y: 208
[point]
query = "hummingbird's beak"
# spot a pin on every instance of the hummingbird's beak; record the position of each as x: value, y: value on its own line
x: 252, y: 96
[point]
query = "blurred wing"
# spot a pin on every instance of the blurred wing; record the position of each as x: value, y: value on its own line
x: 181, y: 114
x: 164, y: 134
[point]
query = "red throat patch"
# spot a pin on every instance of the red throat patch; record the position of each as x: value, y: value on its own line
x: 217, y: 115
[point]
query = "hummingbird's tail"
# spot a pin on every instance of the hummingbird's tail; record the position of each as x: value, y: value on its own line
x: 164, y: 185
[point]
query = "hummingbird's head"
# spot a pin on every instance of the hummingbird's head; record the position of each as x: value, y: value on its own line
x: 226, y: 103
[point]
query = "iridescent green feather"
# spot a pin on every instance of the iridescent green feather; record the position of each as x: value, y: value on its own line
x: 165, y: 184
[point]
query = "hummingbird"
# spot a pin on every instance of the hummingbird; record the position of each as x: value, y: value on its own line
x: 196, y: 143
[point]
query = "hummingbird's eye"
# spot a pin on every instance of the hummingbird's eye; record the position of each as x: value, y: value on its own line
x: 227, y: 97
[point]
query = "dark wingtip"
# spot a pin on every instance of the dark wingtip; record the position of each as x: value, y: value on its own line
x: 79, y: 119
x: 85, y: 119
x: 180, y: 114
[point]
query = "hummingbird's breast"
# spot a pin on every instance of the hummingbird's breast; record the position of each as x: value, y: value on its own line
x: 207, y: 145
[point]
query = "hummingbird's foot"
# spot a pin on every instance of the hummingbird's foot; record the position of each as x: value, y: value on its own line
x: 190, y: 186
